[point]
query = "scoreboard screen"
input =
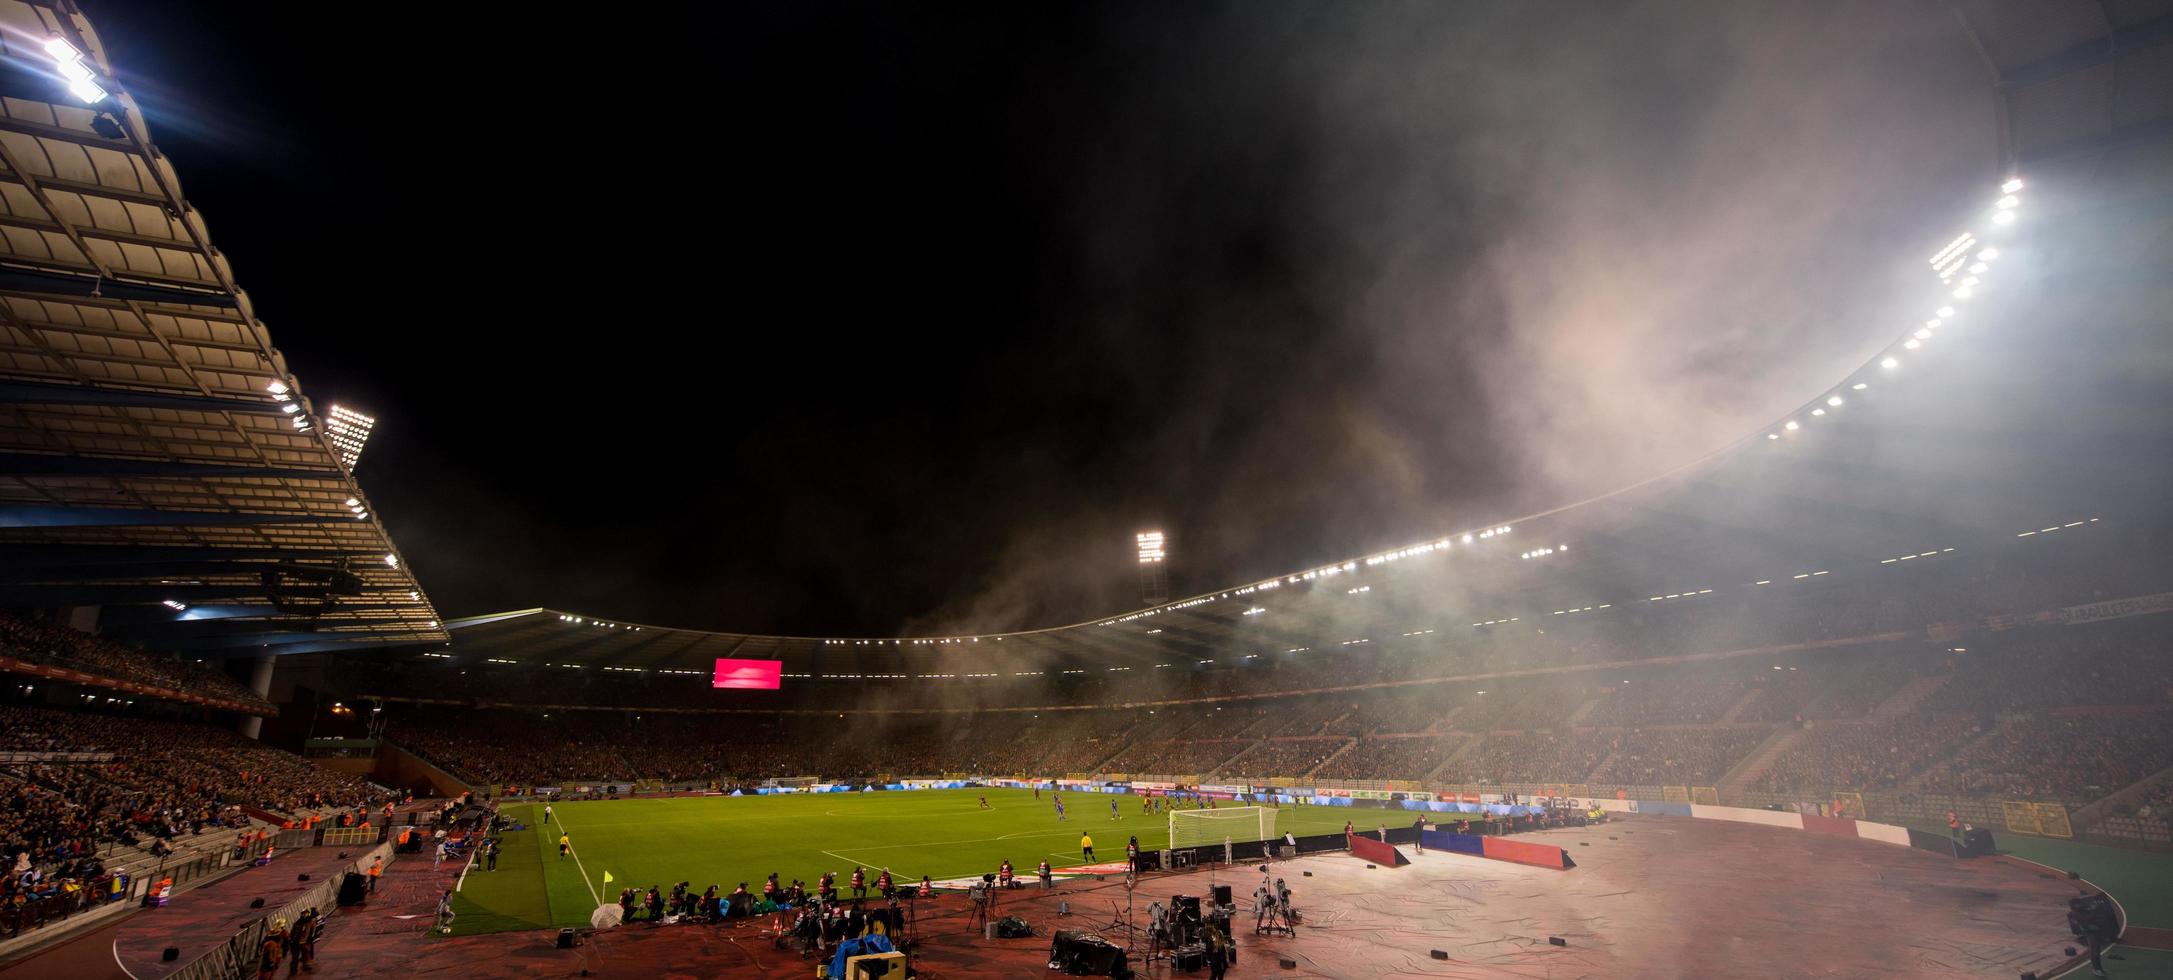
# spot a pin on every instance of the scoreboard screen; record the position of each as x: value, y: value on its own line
x: 758, y: 675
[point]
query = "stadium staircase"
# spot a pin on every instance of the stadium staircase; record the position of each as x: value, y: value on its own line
x: 1741, y: 705
x: 1908, y: 696
x: 2087, y: 818
x: 1347, y: 745
x: 1441, y: 725
x: 1960, y: 748
x: 1736, y: 780
x: 1461, y: 751
x: 1577, y: 717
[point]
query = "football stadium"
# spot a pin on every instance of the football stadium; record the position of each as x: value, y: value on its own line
x: 1280, y: 489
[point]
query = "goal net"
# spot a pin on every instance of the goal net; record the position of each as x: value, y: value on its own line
x: 1198, y: 828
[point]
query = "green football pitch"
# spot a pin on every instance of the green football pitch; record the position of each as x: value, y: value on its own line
x: 723, y: 841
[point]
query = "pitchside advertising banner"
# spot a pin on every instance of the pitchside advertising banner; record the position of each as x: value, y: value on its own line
x: 2142, y: 605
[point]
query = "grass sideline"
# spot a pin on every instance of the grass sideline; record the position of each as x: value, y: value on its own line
x: 728, y: 840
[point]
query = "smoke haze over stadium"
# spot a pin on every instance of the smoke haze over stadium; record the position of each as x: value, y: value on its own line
x: 857, y: 318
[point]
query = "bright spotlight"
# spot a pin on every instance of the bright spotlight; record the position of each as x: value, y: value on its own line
x: 1911, y: 344
x: 1890, y: 363
x: 1988, y: 254
x: 1945, y: 311
x: 2007, y: 202
x: 2003, y: 217
x: 1467, y: 539
x: 1923, y: 335
x: 1818, y: 411
x: 1965, y: 292
x: 1773, y: 435
x: 61, y: 50
x: 86, y: 90
x: 392, y: 560
x: 1791, y: 426
x: 1978, y: 267
x: 2012, y: 185
x: 1835, y: 401
x: 1858, y: 386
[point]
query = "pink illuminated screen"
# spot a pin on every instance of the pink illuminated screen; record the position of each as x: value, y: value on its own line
x: 759, y: 675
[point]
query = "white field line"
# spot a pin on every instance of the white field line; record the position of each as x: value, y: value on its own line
x: 576, y: 852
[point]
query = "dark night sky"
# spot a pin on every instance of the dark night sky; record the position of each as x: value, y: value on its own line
x: 858, y: 318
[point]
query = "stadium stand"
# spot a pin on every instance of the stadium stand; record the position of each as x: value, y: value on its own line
x: 60, y: 646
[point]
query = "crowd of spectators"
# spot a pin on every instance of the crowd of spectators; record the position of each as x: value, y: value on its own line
x: 1282, y: 757
x: 99, y: 782
x: 2072, y: 757
x: 1880, y: 755
x: 1676, y: 756
x: 60, y: 646
x: 1391, y: 758
x: 1530, y: 757
x: 1674, y: 698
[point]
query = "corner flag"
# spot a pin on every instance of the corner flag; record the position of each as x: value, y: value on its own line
x: 607, y: 877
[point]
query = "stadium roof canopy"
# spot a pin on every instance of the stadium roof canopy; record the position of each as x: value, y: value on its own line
x: 157, y: 458
x: 2039, y: 412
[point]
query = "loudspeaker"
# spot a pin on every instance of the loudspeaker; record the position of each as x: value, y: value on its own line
x: 565, y: 939
x: 256, y: 903
x: 1222, y: 895
x: 170, y: 954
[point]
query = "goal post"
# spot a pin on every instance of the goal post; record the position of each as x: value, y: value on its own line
x: 1199, y: 828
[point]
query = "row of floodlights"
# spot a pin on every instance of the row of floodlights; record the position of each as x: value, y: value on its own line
x: 1960, y: 264
x: 82, y: 81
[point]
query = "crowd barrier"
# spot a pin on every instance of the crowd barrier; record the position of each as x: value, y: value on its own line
x: 1499, y: 848
x: 237, y: 958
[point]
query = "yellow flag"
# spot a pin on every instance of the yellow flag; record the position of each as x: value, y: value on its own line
x: 607, y: 877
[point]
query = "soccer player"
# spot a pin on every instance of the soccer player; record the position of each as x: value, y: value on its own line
x: 984, y: 802
x: 1037, y: 792
x: 565, y: 846
x: 1060, y: 809
x: 1113, y: 809
x: 1086, y: 847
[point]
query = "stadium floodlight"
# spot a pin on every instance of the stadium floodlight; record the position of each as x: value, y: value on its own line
x: 82, y: 81
x: 1912, y: 343
x: 349, y: 430
x: 1989, y: 255
x: 2003, y: 217
x: 1818, y: 411
x: 1791, y: 426
x: 1859, y: 386
x: 175, y: 605
x: 2012, y: 185
x: 1890, y: 363
x: 87, y: 90
x: 1150, y: 547
x: 392, y: 561
x: 1773, y: 435
x: 290, y: 408
x: 278, y: 389
x: 1924, y: 333
x: 2008, y: 202
x: 1835, y: 401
